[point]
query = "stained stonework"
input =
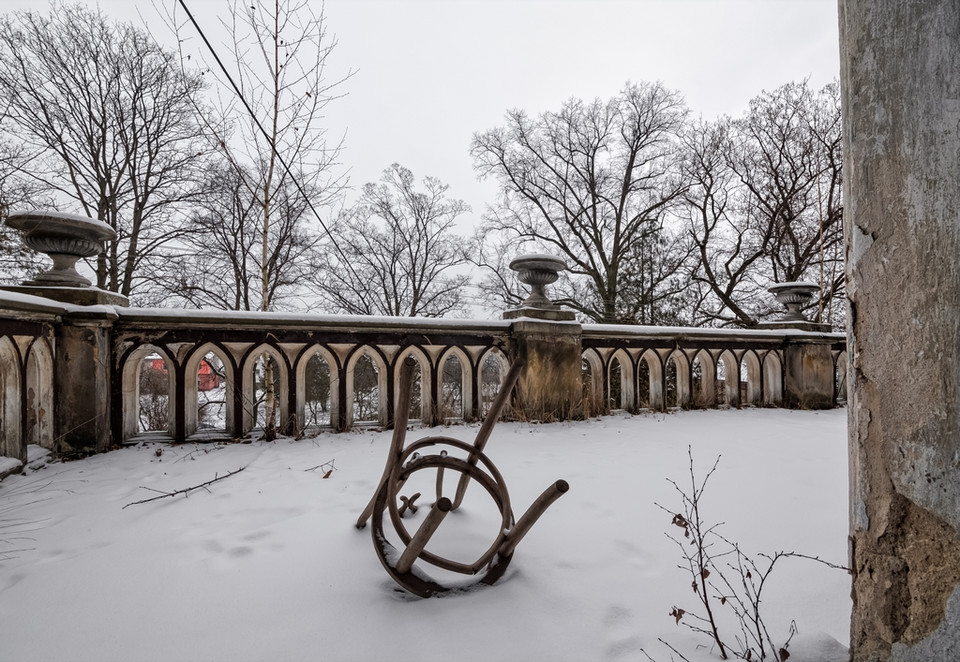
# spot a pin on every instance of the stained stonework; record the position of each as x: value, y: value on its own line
x: 808, y: 375
x: 900, y: 81
x: 83, y: 383
x: 551, y: 386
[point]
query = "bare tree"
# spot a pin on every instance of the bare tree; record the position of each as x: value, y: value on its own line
x: 214, y: 269
x: 109, y: 119
x: 17, y: 191
x: 398, y: 254
x: 765, y: 202
x: 499, y: 286
x: 220, y: 266
x: 275, y: 99
x: 592, y: 182
x: 655, y: 280
x: 727, y: 244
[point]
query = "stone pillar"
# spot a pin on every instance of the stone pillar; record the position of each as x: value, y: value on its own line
x: 550, y: 387
x: 82, y: 385
x: 808, y: 374
x: 900, y: 78
x: 548, y: 341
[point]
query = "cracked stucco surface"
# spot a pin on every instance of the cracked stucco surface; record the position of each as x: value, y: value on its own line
x: 900, y: 74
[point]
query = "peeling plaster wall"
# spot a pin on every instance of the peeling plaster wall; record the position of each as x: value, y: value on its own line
x: 900, y: 77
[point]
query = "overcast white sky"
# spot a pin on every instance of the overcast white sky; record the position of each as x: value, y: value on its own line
x: 433, y: 72
x: 430, y: 73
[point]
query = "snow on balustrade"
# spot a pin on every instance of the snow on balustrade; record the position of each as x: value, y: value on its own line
x: 81, y: 379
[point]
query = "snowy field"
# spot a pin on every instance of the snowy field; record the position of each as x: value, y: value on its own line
x: 267, y: 565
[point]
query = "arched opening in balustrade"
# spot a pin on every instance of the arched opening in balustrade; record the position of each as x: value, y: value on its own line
x: 643, y: 384
x: 263, y: 405
x: 704, y: 374
x: 750, y: 392
x: 317, y: 394
x: 147, y: 385
x: 650, y: 380
x: 677, y: 380
x: 591, y: 374
x: 621, y: 382
x: 670, y: 384
x: 841, y: 368
x: 615, y: 385
x: 454, y: 402
x: 366, y: 388
x: 420, y: 404
x: 11, y: 440
x: 494, y: 367
x: 728, y: 379
x: 208, y: 393
x: 772, y: 379
x: 40, y: 395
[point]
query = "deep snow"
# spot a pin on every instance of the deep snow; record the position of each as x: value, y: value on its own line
x: 267, y: 564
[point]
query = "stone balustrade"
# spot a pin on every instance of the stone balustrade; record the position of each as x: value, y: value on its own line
x: 635, y: 367
x: 74, y: 375
x: 82, y: 372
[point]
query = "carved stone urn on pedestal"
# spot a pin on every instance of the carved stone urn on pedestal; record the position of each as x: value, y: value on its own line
x: 794, y: 297
x: 538, y: 270
x: 66, y: 238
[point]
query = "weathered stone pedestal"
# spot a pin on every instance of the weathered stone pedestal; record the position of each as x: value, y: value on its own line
x: 82, y: 365
x: 900, y: 79
x: 78, y: 296
x: 550, y: 386
x: 548, y: 342
x: 808, y: 372
x: 82, y: 357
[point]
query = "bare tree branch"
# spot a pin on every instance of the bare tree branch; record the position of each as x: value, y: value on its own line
x: 185, y: 490
x: 592, y: 183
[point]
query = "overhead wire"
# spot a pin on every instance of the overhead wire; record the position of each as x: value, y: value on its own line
x: 270, y: 141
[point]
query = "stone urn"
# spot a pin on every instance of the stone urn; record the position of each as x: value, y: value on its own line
x: 65, y: 238
x: 794, y: 296
x: 538, y: 270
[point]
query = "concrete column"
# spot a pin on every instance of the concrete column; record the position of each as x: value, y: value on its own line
x: 900, y: 76
x: 550, y: 387
x: 82, y: 382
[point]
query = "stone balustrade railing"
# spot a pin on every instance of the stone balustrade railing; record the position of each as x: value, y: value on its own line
x: 83, y: 372
x: 661, y: 367
x: 74, y: 376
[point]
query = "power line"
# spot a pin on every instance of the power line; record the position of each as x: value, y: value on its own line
x: 270, y: 141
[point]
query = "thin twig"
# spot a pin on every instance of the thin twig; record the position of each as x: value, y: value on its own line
x: 741, y: 592
x: 205, y: 450
x: 797, y: 555
x: 329, y: 471
x: 682, y: 656
x: 185, y: 490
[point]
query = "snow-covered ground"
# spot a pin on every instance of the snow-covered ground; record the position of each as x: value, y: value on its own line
x: 267, y: 564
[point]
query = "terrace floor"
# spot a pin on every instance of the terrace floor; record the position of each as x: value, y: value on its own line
x: 267, y: 564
